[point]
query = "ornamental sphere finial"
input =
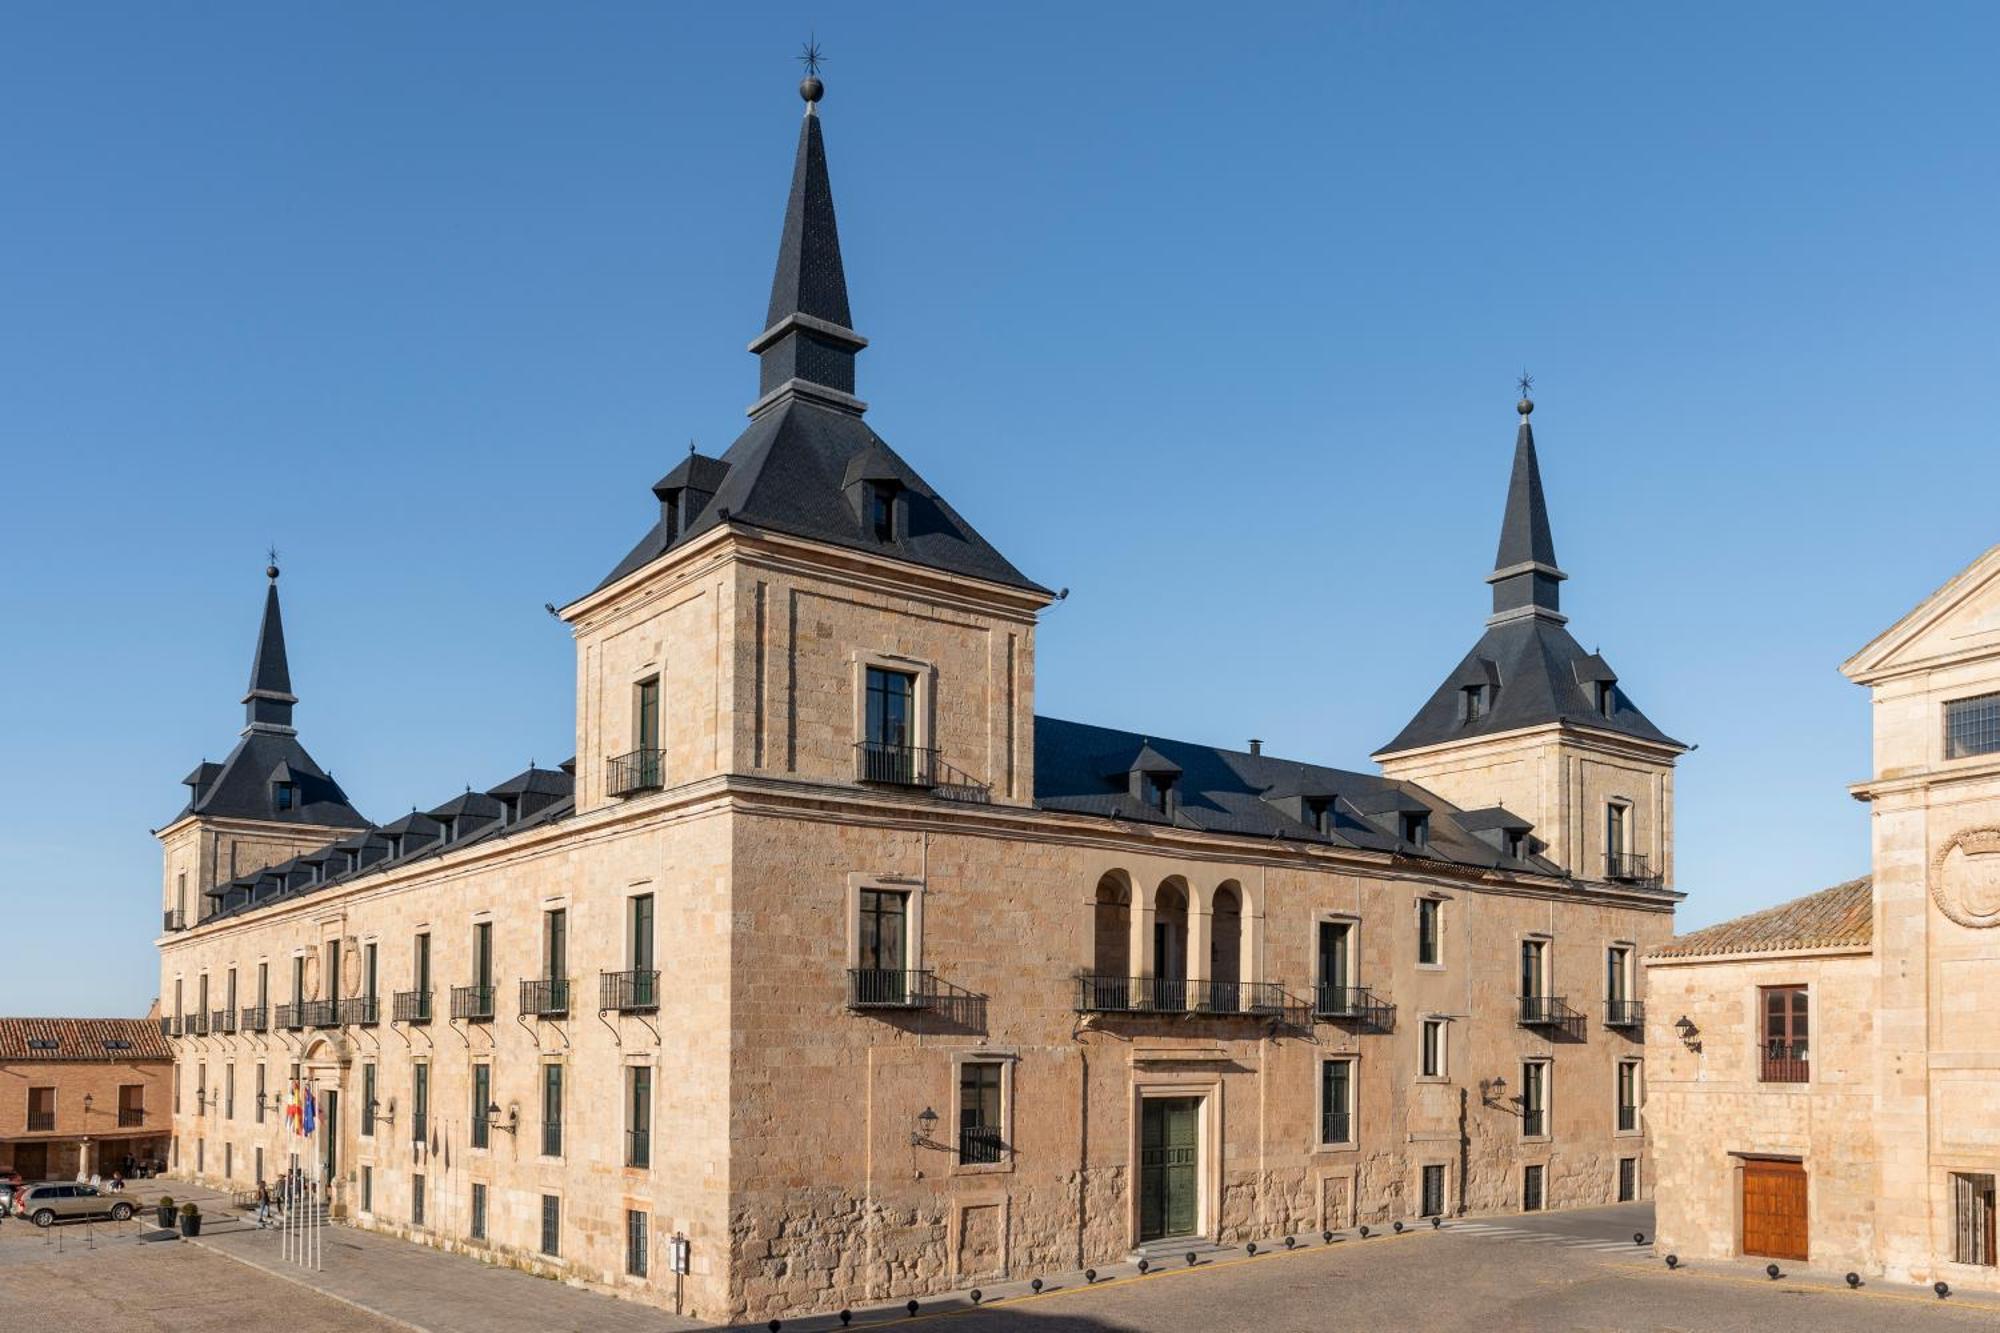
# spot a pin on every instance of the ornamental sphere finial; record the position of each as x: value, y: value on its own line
x: 811, y: 89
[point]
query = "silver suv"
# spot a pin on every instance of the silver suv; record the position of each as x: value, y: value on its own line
x: 45, y: 1204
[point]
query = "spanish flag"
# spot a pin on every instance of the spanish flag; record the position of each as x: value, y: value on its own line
x: 292, y: 1107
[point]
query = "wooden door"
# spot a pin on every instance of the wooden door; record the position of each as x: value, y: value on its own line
x: 1774, y: 1209
x: 1167, y: 1167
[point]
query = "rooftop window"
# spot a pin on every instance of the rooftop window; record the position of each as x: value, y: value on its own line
x: 882, y: 511
x: 43, y: 1043
x: 285, y: 795
x: 1972, y: 726
x: 1416, y: 827
x: 1473, y: 706
x: 1607, y: 697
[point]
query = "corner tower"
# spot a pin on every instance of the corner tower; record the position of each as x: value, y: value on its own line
x: 805, y: 606
x: 1532, y: 722
x: 265, y: 802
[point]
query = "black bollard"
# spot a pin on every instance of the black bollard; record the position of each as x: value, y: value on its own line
x: 1143, y: 1266
x: 1290, y: 1243
x: 1036, y: 1286
x: 1399, y: 1228
x: 1364, y: 1233
x: 975, y: 1295
x: 1089, y: 1276
x: 1326, y: 1236
x: 912, y: 1308
x: 1853, y: 1281
x: 1771, y: 1271
x: 1638, y: 1238
x: 1673, y: 1261
x: 1436, y: 1222
x: 1942, y: 1288
x: 1251, y: 1248
x: 1190, y: 1258
x: 846, y: 1317
x: 774, y: 1326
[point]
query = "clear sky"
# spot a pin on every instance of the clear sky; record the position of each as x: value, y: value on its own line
x: 1209, y: 313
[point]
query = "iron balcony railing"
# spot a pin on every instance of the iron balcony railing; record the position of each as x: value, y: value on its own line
x: 979, y: 1145
x: 170, y: 1027
x: 1174, y: 995
x: 1784, y: 1062
x: 472, y: 1003
x: 1336, y: 1127
x: 1546, y: 1011
x: 551, y: 1138
x: 131, y: 1117
x: 1341, y: 1004
x: 411, y: 1006
x: 256, y: 1018
x: 1534, y: 1121
x: 1624, y: 1013
x: 640, y: 770
x: 41, y: 1121
x: 630, y: 992
x: 195, y: 1024
x: 222, y: 1022
x: 175, y: 919
x: 638, y: 1148
x: 291, y: 1017
x: 360, y: 1011
x: 547, y: 997
x: 1628, y: 867
x: 894, y: 765
x: 879, y: 988
x: 320, y: 1013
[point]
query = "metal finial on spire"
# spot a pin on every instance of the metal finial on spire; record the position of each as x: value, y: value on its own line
x: 810, y: 56
x: 271, y: 567
x: 1527, y: 404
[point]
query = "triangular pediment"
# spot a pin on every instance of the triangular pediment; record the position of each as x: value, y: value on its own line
x: 1958, y: 621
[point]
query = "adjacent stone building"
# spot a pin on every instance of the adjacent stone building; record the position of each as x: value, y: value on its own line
x: 1826, y: 1074
x: 831, y: 971
x: 83, y: 1096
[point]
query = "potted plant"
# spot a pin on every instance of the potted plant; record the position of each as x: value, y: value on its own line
x: 165, y: 1215
x: 190, y: 1220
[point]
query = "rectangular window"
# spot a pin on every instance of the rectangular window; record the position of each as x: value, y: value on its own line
x: 1972, y: 726
x: 551, y: 1225
x: 1433, y: 1064
x: 884, y: 926
x: 1534, y: 974
x: 1617, y: 975
x: 478, y: 1211
x: 264, y: 986
x: 639, y: 932
x: 420, y: 1103
x: 1433, y: 1202
x: 298, y: 978
x: 229, y: 995
x: 639, y: 1116
x: 228, y: 1160
x: 1785, y: 1050
x: 41, y: 1109
x: 1417, y: 827
x: 229, y: 1092
x: 1336, y: 1102
x: 260, y: 1165
x: 890, y: 714
x: 416, y: 1201
x: 979, y: 1112
x: 420, y: 967
x: 370, y: 973
x: 1535, y: 1099
x: 1428, y: 911
x: 260, y: 1094
x: 482, y: 1099
x: 1628, y: 1096
x: 552, y: 1099
x: 482, y: 958
x: 635, y: 1243
x: 368, y: 1100
x: 367, y: 1183
x: 201, y: 1088
x: 177, y: 1088
x: 131, y: 1104
x: 646, y: 715
x: 555, y: 944
x: 1972, y: 1219
x: 332, y: 970
x: 1531, y: 1189
x: 1628, y: 1179
x: 1335, y: 939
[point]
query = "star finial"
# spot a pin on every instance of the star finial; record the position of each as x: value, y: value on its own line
x: 1526, y: 382
x: 1527, y: 404
x: 810, y: 57
x: 271, y: 564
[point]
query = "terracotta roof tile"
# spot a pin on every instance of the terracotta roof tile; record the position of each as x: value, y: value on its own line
x: 1839, y: 917
x: 82, y: 1039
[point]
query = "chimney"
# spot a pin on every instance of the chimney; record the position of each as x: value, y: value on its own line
x: 1256, y: 746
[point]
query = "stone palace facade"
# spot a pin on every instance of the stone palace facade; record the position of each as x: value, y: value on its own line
x: 828, y: 971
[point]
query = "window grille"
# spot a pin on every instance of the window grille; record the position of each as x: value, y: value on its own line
x: 551, y: 1225
x: 1972, y: 726
x: 1972, y: 1205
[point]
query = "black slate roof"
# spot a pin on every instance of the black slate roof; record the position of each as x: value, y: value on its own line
x: 1233, y: 791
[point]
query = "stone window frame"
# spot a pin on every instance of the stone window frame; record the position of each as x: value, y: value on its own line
x: 647, y: 1062
x: 1617, y: 1171
x: 229, y: 1089
x: 1542, y: 1200
x: 1337, y: 916
x: 1630, y: 969
x: 1638, y: 1129
x: 923, y: 706
x: 471, y: 1083
x: 1416, y: 923
x: 1441, y: 1164
x: 1352, y: 1143
x: 913, y: 916
x: 1547, y: 1064
x: 1547, y: 960
x: 1442, y: 1023
x: 371, y: 1084
x: 541, y: 1108
x: 1007, y: 1058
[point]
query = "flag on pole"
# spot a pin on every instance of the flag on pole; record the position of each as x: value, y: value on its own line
x: 310, y: 1116
x: 292, y: 1106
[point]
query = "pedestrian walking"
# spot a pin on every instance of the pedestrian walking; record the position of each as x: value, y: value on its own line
x: 263, y: 1205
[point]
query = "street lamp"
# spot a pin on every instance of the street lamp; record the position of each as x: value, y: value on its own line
x: 925, y: 1124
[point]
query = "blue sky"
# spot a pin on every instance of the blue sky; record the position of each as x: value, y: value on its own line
x: 1209, y: 313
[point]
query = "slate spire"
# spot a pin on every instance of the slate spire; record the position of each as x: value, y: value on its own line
x: 268, y: 705
x: 808, y: 346
x: 1526, y: 579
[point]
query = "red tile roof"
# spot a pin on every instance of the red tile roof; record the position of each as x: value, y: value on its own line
x: 81, y: 1039
x: 1840, y: 917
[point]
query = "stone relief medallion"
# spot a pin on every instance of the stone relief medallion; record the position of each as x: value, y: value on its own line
x: 309, y: 982
x: 350, y: 966
x: 1965, y: 878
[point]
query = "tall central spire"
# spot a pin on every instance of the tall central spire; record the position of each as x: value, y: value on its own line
x: 808, y: 346
x: 1526, y: 580
x: 268, y: 705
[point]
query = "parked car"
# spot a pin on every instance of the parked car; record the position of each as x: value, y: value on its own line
x: 48, y: 1203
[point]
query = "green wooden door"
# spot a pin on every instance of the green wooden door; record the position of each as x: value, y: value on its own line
x: 1167, y: 1155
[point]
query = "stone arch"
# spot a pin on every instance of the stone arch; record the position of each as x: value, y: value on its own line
x: 1111, y: 933
x: 1168, y: 949
x: 1226, y: 934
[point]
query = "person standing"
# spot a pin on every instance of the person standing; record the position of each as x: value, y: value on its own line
x: 263, y: 1205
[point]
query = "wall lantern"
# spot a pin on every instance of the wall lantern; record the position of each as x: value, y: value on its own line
x: 926, y: 1122
x: 513, y: 1122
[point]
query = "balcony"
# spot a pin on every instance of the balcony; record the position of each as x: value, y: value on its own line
x: 1547, y: 1011
x: 1174, y: 995
x: 41, y: 1122
x: 630, y: 774
x: 1629, y: 868
x: 474, y: 1004
x: 545, y: 998
x: 257, y: 1018
x: 195, y: 1024
x: 632, y: 992
x: 222, y: 1022
x: 894, y: 765
x: 875, y: 988
x: 320, y: 1014
x: 363, y: 1011
x: 979, y: 1145
x: 411, y: 1006
x: 175, y: 919
x: 170, y: 1027
x: 290, y: 1017
x: 1353, y: 1004
x: 1784, y: 1062
x: 1625, y: 1013
x: 131, y: 1117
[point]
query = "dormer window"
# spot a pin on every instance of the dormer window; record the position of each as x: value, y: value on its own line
x: 1473, y: 703
x: 1517, y: 845
x: 1158, y: 790
x: 881, y: 514
x: 507, y: 808
x: 353, y: 861
x: 1416, y: 827
x: 1607, y: 697
x: 446, y: 828
x: 285, y: 796
x: 1319, y: 814
x: 395, y: 842
x: 670, y: 518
